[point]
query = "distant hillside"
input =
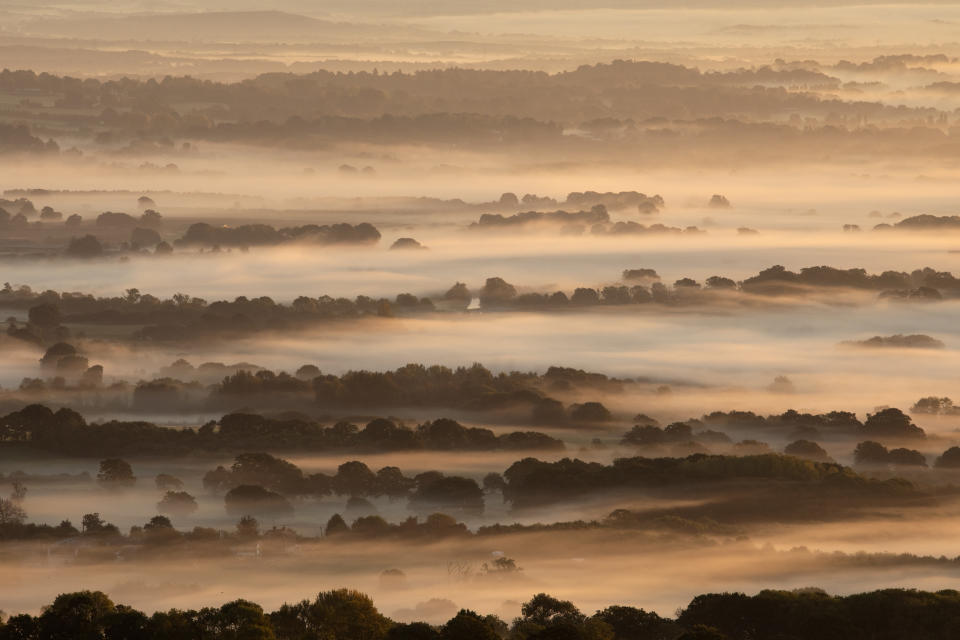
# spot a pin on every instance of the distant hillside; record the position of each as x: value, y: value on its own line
x: 224, y: 26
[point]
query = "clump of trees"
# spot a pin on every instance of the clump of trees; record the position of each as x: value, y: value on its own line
x: 596, y: 215
x: 923, y: 283
x: 950, y: 459
x: 116, y: 474
x: 65, y: 431
x: 204, y: 234
x: 532, y: 482
x: 473, y: 388
x: 873, y: 454
x: 257, y: 483
x: 890, y: 423
x: 912, y: 341
x: 808, y: 450
x: 177, y: 503
x: 935, y: 406
x: 183, y: 318
x: 812, y: 613
x: 18, y: 138
x: 803, y: 614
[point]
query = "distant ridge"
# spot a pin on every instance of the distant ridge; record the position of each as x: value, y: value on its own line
x: 203, y: 26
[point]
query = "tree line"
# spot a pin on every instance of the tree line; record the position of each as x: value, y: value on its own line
x: 345, y: 614
x: 185, y: 317
x: 67, y: 432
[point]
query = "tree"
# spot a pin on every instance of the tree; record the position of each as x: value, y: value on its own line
x: 159, y: 530
x: 891, y: 423
x: 126, y: 622
x: 448, y: 493
x: 176, y: 625
x: 702, y: 632
x: 165, y: 481
x: 548, y: 412
x: 335, y: 526
x: 151, y: 219
x: 493, y: 482
x: 19, y: 627
x: 630, y: 622
x: 142, y: 237
x: 616, y: 295
x: 686, y: 283
x: 267, y: 471
x: 412, y: 631
x: 935, y: 405
x: 248, y: 527
x: 501, y: 566
x: 177, y: 503
x: 253, y: 499
x: 590, y: 412
x: 218, y: 480
x: 11, y: 513
x: 157, y: 523
x: 354, y: 478
x: 906, y: 457
x: 45, y: 316
x: 497, y: 291
x: 116, y: 474
x: 585, y: 297
x: 56, y: 352
x: 371, y: 526
x: 547, y: 617
x: 950, y: 459
x: 76, y: 616
x: 19, y: 492
x: 543, y: 609
x: 467, y: 625
x: 720, y: 282
x: 239, y: 620
x: 85, y: 247
x: 808, y: 450
x: 92, y: 523
x: 718, y: 201
x: 341, y: 613
x: 391, y: 482
x: 869, y: 452
x: 459, y: 294
x: 308, y: 372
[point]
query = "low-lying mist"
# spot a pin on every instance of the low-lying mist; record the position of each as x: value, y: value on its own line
x: 592, y: 569
x: 710, y: 360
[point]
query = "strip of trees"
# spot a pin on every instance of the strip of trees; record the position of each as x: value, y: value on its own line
x: 345, y: 614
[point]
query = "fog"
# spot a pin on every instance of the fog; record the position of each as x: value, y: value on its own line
x: 712, y: 360
x: 306, y: 199
x: 585, y: 569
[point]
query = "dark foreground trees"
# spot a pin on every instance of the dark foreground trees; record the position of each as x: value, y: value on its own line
x: 345, y: 614
x: 811, y: 613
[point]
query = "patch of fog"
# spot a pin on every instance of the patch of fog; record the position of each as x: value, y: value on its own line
x: 711, y: 360
x: 590, y: 568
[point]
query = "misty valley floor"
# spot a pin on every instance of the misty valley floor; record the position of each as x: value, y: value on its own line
x: 479, y: 320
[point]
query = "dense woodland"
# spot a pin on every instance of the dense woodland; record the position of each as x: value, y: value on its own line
x: 185, y: 318
x: 622, y: 89
x: 343, y: 614
x: 645, y: 106
x: 66, y: 432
